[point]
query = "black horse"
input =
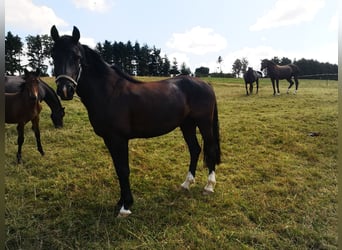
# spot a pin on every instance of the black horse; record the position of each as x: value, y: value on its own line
x: 250, y: 77
x: 46, y: 93
x: 277, y: 72
x: 121, y: 108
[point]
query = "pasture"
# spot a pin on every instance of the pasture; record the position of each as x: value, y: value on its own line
x: 276, y: 187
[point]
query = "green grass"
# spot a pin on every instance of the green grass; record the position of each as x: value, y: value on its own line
x: 276, y: 187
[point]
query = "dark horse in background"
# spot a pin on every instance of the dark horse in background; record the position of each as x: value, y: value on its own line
x: 24, y: 106
x: 277, y: 72
x: 46, y: 93
x: 250, y: 77
x: 121, y: 108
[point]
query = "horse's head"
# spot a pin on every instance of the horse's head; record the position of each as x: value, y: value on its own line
x: 57, y: 117
x: 31, y: 84
x: 264, y: 64
x: 67, y: 54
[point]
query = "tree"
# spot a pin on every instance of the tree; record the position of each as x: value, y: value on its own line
x: 219, y: 61
x: 38, y: 51
x: 174, y: 68
x: 13, y: 51
x: 244, y: 65
x: 284, y: 61
x: 184, y: 69
x: 236, y: 68
x: 165, y: 68
x: 202, y: 71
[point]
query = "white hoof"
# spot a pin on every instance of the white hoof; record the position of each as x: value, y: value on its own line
x: 190, y: 179
x: 124, y: 212
x: 209, y: 188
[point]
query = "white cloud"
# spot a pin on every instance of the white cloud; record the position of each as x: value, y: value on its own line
x: 94, y: 5
x: 180, y: 58
x: 333, y: 25
x: 288, y: 12
x: 198, y: 41
x: 26, y: 15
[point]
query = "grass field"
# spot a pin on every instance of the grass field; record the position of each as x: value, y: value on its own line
x: 276, y: 187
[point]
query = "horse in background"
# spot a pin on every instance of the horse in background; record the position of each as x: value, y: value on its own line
x: 277, y: 72
x: 24, y: 106
x: 250, y: 77
x: 46, y: 93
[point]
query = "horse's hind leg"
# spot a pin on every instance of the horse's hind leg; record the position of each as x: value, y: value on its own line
x: 209, y: 154
x: 257, y: 86
x: 291, y: 84
x: 20, y: 141
x: 189, y: 133
x: 35, y: 128
x: 297, y: 83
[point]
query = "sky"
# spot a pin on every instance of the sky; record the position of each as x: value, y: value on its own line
x: 195, y: 32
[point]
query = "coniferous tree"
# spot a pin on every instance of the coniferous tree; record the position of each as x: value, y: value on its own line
x: 13, y: 51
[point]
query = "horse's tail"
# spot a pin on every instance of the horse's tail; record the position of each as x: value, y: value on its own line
x: 216, y: 134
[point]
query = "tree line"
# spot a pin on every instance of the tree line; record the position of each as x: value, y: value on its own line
x: 142, y: 60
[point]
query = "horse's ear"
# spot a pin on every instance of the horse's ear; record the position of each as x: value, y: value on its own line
x: 54, y: 33
x: 26, y: 72
x: 76, y: 35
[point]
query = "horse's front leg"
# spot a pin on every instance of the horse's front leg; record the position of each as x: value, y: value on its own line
x: 35, y: 128
x: 246, y: 88
x: 274, y: 90
x: 118, y: 148
x: 20, y: 140
x: 277, y: 82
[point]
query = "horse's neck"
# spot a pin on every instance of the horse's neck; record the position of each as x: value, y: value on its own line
x: 51, y: 98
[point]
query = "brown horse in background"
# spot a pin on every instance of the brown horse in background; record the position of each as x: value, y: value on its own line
x: 277, y: 72
x: 24, y: 106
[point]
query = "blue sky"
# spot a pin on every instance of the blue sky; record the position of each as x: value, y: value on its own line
x: 196, y: 32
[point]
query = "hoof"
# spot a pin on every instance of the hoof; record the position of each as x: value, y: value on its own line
x: 208, y: 191
x: 124, y: 212
x: 209, y: 188
x: 189, y: 180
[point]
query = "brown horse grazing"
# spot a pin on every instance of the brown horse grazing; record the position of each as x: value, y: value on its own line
x: 48, y: 94
x: 121, y: 108
x: 24, y: 106
x: 277, y: 72
x: 250, y: 77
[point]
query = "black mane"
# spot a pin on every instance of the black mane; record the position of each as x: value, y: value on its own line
x: 94, y: 58
x: 124, y: 75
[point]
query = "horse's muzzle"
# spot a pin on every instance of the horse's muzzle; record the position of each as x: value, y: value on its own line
x: 65, y: 90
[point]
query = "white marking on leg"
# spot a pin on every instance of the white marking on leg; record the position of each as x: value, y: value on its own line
x: 295, y: 92
x: 188, y: 180
x: 209, y: 188
x: 124, y: 212
x: 288, y: 91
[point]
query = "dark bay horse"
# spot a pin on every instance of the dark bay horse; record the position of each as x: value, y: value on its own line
x: 250, y: 77
x: 277, y: 72
x: 24, y: 106
x: 48, y: 94
x: 121, y: 108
